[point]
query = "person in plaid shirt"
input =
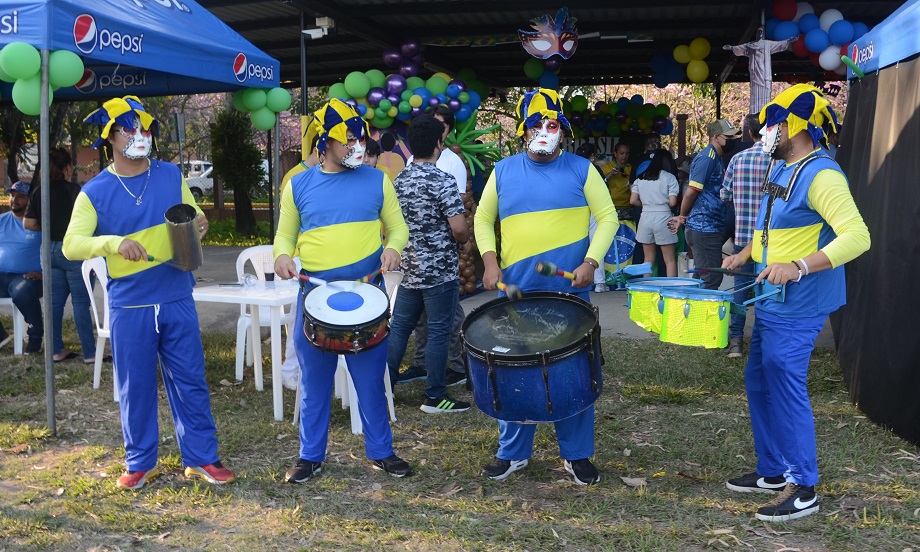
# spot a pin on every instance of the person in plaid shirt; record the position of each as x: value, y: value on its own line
x: 741, y: 187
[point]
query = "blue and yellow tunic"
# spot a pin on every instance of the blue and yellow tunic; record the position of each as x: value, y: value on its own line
x: 334, y: 221
x: 820, y: 214
x: 544, y: 210
x: 104, y: 214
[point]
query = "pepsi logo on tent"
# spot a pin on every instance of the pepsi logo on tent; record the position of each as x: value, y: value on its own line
x: 243, y: 70
x: 861, y: 56
x: 9, y: 23
x: 87, y: 83
x: 88, y: 37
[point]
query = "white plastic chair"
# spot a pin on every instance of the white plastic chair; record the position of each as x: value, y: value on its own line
x: 257, y: 256
x: 345, y: 387
x: 19, y: 325
x: 97, y: 265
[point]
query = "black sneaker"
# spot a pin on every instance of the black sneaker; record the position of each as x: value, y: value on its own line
x: 302, y: 471
x: 394, y: 465
x: 454, y: 378
x: 583, y: 471
x: 412, y: 374
x: 499, y: 469
x: 34, y: 346
x: 756, y: 483
x: 794, y: 502
x: 444, y: 404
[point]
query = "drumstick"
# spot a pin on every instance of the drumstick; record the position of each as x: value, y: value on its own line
x: 550, y: 269
x: 371, y: 276
x: 312, y: 279
x: 723, y: 271
x: 512, y: 291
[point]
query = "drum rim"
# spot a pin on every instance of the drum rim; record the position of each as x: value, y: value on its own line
x: 385, y: 314
x: 528, y: 359
x: 711, y: 295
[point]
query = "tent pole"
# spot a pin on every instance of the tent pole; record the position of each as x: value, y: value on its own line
x: 44, y: 142
x: 303, y: 77
x: 276, y: 173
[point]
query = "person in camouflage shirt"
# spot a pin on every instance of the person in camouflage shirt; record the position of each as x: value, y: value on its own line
x: 433, y: 210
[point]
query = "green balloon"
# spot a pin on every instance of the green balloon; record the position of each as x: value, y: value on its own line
x: 263, y: 118
x: 357, y: 84
x: 381, y: 113
x: 254, y: 98
x: 436, y: 85
x: 4, y: 77
x: 376, y: 78
x: 663, y: 109
x: 466, y: 74
x: 238, y: 101
x: 65, y: 68
x: 579, y: 103
x: 278, y: 100
x: 337, y: 90
x: 533, y: 68
x: 406, y: 94
x: 385, y: 104
x: 20, y: 60
x: 412, y: 83
x: 464, y: 97
x: 404, y: 107
x: 382, y: 122
x: 27, y: 95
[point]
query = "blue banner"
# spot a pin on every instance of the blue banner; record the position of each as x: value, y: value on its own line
x: 889, y: 42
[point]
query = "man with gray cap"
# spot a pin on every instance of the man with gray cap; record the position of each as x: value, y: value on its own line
x: 20, y: 266
x: 702, y: 211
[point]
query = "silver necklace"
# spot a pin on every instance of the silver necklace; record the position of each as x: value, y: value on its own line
x: 137, y: 198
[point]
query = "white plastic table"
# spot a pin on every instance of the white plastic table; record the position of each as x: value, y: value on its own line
x: 271, y: 295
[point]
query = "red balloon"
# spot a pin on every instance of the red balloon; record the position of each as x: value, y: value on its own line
x: 845, y: 50
x: 814, y: 59
x: 784, y: 10
x: 798, y: 47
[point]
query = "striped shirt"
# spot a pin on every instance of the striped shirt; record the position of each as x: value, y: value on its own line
x: 741, y: 186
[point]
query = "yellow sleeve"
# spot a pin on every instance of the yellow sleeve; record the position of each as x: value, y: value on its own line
x: 288, y: 226
x: 604, y: 212
x: 486, y: 213
x: 188, y: 198
x: 79, y: 242
x: 830, y: 196
x: 392, y: 217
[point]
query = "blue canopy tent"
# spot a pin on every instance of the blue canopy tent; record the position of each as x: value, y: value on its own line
x: 134, y: 47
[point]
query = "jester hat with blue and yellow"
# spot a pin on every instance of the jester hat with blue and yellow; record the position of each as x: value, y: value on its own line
x: 537, y: 105
x: 803, y: 107
x: 121, y: 112
x: 334, y: 119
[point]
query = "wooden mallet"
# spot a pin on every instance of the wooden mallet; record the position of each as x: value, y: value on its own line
x: 550, y: 269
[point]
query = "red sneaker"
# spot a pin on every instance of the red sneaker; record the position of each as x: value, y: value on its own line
x: 136, y: 480
x: 215, y: 473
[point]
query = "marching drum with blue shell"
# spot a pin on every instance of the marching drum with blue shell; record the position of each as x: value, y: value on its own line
x: 345, y: 316
x: 534, y: 359
x: 643, y: 299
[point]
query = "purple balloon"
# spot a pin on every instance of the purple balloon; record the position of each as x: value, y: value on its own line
x: 411, y: 47
x: 408, y: 69
x: 460, y: 84
x: 395, y: 84
x: 552, y: 64
x: 352, y: 103
x: 659, y: 123
x: 416, y: 111
x: 434, y: 101
x: 620, y: 116
x: 419, y: 59
x: 392, y: 57
x: 374, y: 96
x: 394, y: 98
x: 454, y: 104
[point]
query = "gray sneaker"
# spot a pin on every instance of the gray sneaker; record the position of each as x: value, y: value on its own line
x: 734, y: 347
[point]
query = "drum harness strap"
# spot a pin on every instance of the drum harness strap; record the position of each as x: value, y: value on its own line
x: 775, y: 191
x: 493, y: 379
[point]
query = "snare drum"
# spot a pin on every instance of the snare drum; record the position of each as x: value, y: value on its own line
x: 536, y: 359
x: 697, y: 317
x: 643, y: 299
x: 345, y: 316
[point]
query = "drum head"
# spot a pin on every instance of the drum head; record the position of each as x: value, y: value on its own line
x: 540, y: 322
x: 345, y: 303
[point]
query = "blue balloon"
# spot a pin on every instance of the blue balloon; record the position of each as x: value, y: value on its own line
x: 463, y: 113
x: 362, y: 109
x: 441, y: 98
x: 668, y: 129
x: 453, y: 91
x: 475, y: 100
x: 676, y: 73
x: 623, y: 103
x: 859, y: 29
x: 549, y: 80
x: 660, y: 62
x: 841, y: 32
x: 808, y: 22
x: 403, y: 116
x: 770, y: 28
x: 816, y: 41
x: 637, y: 99
x: 786, y: 29
x: 661, y: 79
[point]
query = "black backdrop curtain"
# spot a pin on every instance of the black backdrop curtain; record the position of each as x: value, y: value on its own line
x: 878, y: 332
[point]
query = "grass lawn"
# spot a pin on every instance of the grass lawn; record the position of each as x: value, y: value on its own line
x: 673, y: 417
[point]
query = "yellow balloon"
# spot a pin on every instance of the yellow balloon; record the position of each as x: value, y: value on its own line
x: 445, y: 76
x: 699, y: 48
x: 415, y: 100
x: 697, y: 70
x: 393, y: 111
x: 682, y: 54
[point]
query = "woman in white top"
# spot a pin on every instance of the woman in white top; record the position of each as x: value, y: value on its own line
x: 655, y: 190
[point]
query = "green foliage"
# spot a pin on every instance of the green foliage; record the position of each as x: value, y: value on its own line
x: 223, y: 232
x: 237, y: 162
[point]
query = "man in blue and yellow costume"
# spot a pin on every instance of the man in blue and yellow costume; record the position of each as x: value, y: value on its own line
x: 544, y: 198
x: 119, y: 215
x: 808, y: 226
x: 332, y: 214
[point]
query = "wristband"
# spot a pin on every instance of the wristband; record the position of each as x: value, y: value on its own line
x: 800, y: 271
x: 804, y: 264
x: 592, y: 264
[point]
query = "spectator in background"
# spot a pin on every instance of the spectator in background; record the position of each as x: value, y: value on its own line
x: 20, y: 266
x: 617, y: 175
x: 655, y: 190
x: 588, y: 151
x: 66, y: 275
x: 371, y: 153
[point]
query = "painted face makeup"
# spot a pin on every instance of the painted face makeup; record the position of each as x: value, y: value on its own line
x: 355, y: 157
x: 770, y: 138
x: 545, y: 137
x: 139, y: 141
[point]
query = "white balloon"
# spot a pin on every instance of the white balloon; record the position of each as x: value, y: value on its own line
x: 801, y: 9
x: 829, y: 59
x: 842, y: 69
x: 828, y: 18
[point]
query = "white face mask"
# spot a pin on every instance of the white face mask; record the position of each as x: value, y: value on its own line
x: 355, y: 157
x: 139, y: 142
x: 770, y: 138
x: 545, y: 139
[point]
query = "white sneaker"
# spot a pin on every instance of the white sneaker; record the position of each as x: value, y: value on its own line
x: 291, y: 382
x: 601, y: 288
